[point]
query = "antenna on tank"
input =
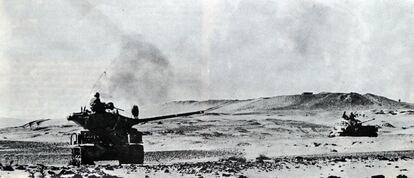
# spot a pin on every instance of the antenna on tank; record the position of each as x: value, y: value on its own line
x: 96, y: 82
x: 94, y: 86
x: 99, y: 79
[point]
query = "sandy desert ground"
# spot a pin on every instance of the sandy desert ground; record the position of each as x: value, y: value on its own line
x: 283, y: 136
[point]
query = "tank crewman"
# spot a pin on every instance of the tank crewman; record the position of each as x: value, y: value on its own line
x: 96, y: 105
x: 345, y: 116
x: 352, y: 119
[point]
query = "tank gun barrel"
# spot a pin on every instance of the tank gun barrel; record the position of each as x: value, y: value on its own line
x: 137, y: 121
x: 118, y: 109
x: 367, y: 121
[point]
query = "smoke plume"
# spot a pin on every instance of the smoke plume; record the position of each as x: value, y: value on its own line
x: 139, y: 75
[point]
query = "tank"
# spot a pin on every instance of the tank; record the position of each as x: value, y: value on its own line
x: 354, y: 130
x: 110, y: 136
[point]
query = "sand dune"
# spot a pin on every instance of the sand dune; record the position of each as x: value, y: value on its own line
x: 320, y: 101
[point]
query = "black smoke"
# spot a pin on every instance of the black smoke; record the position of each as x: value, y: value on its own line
x: 141, y: 74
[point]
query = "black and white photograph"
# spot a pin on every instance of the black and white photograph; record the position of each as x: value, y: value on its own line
x: 207, y: 88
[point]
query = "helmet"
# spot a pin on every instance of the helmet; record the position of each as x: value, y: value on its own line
x: 97, y: 94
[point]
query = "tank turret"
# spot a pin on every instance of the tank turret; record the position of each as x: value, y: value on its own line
x: 110, y: 136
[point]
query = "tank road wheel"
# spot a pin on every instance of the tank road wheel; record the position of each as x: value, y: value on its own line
x: 76, y: 157
x: 138, y: 154
x: 85, y: 158
x: 368, y: 131
x: 373, y: 132
x: 135, y: 155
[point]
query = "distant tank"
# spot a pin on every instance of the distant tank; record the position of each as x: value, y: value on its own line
x: 354, y: 130
x: 110, y: 136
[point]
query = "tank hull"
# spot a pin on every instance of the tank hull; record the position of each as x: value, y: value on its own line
x: 355, y: 131
x: 88, y: 147
x: 360, y: 131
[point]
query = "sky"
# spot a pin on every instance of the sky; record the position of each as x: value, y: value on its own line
x: 55, y: 54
